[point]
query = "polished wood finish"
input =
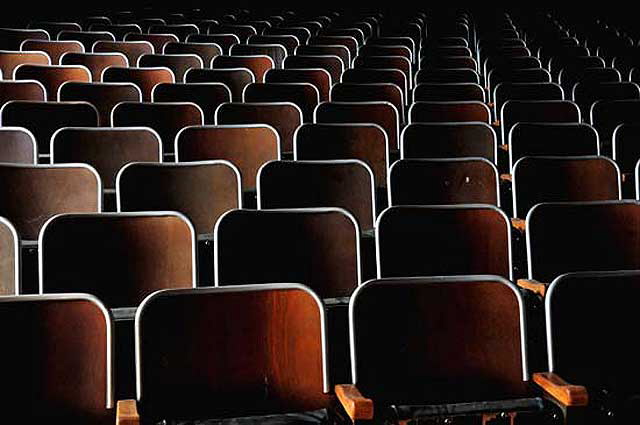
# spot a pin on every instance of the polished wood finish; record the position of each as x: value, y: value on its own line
x: 446, y: 340
x: 443, y: 240
x: 236, y: 79
x: 553, y: 179
x: 45, y: 118
x: 529, y: 75
x: 17, y: 146
x: 336, y: 50
x: 119, y: 31
x: 345, y: 184
x: 386, y: 62
x: 303, y: 95
x: 225, y: 41
x: 524, y: 91
x: 202, y: 191
x: 55, y: 49
x: 551, y: 139
x: 257, y: 64
x: 320, y: 247
x: 591, y: 314
x: 96, y: 63
x: 127, y: 413
x: 53, y: 76
x: 133, y: 50
x: 276, y: 52
x: 567, y: 394
x: 449, y: 140
x: 60, y: 360
x: 103, y: 96
x: 355, y: 404
x: 540, y: 111
x: 447, y: 112
x: 178, y: 64
x: 284, y: 117
x: 10, y: 259
x: 158, y: 41
x: 145, y: 78
x: 273, y: 359
x: 539, y: 288
x: 373, y: 92
x: 366, y: 142
x: 11, y: 39
x: 381, y: 113
x: 205, y: 51
x: 21, y: 90
x: 182, y: 31
x: 606, y: 115
x: 318, y: 77
x: 453, y: 75
x: 208, y: 96
x: 167, y: 119
x: 120, y: 258
x: 247, y: 147
x: 106, y: 149
x: 448, y: 92
x: 559, y: 243
x: 87, y: 38
x: 31, y: 194
x: 54, y: 28
x: 336, y: 40
x: 332, y: 64
x: 289, y: 42
x: 585, y: 93
x: 10, y: 60
x: 443, y: 182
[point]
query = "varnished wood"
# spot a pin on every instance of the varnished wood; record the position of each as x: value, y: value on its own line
x: 330, y: 63
x: 182, y: 31
x: 52, y: 76
x: 443, y: 182
x: 55, y: 49
x: 44, y: 118
x: 289, y: 42
x: 452, y: 240
x: 447, y: 340
x: 567, y: 394
x: 10, y: 60
x: 320, y: 79
x: 365, y: 142
x: 127, y: 413
x: 320, y: 246
x: 158, y: 41
x: 248, y: 147
x: 285, y: 118
x: 103, y: 96
x: 9, y: 261
x: 60, y: 360
x: 470, y: 111
x: 355, y: 404
x: 543, y: 111
x: 208, y: 96
x: 179, y: 64
x: 272, y: 361
x: 205, y: 51
x: 167, y: 119
x: 449, y: 140
x: 305, y: 184
x: 145, y: 78
x: 534, y: 286
x: 11, y: 39
x: 524, y: 91
x: 371, y: 76
x: 276, y: 52
x: 87, y: 38
x: 386, y: 62
x: 96, y: 63
x: 201, y: 191
x: 17, y: 146
x: 21, y: 90
x: 133, y: 50
x: 106, y: 149
x: 257, y: 64
x: 118, y: 258
x: 381, y: 113
x: 336, y: 50
x: 454, y: 75
x: 373, y: 92
x: 303, y: 95
x: 448, y: 92
x: 236, y: 79
x: 552, y: 179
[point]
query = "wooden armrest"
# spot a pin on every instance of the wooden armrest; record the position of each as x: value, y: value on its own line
x: 565, y: 393
x: 533, y: 286
x: 504, y: 147
x: 505, y: 178
x: 519, y: 224
x: 355, y: 404
x: 127, y: 413
x: 496, y: 123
